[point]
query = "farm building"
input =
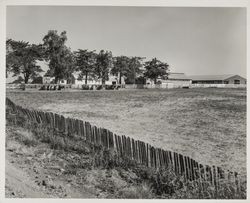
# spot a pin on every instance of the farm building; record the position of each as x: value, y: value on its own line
x: 217, y: 79
x: 50, y: 80
x: 46, y: 80
x: 90, y: 80
x: 173, y: 80
x: 113, y: 80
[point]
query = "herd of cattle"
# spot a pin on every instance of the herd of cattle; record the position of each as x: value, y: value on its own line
x: 84, y: 87
x: 52, y: 87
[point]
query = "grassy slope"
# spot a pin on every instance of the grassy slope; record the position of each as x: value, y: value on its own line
x: 207, y: 124
x: 35, y: 170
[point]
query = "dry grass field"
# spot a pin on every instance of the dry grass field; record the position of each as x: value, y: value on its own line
x: 207, y: 124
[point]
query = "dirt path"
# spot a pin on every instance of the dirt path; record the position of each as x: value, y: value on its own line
x: 30, y: 174
x: 20, y: 184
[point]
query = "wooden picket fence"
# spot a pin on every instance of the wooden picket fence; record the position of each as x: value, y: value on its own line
x: 136, y: 150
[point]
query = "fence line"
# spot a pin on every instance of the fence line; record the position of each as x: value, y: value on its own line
x: 136, y: 150
x: 127, y: 86
x: 179, y: 85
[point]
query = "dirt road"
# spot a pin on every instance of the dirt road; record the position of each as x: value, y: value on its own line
x: 30, y: 172
x: 20, y: 184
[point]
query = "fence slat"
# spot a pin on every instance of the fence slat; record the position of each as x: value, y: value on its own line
x: 181, y: 164
x: 154, y: 155
x: 192, y: 168
x: 148, y: 156
x: 186, y: 167
x: 139, y: 151
x: 82, y: 129
x: 158, y: 158
x: 165, y: 158
x: 129, y: 147
x: 89, y: 132
x: 214, y: 177
x: 174, y: 162
x: 106, y: 138
x: 136, y: 151
x: 143, y: 152
x: 116, y: 144
x: 120, y: 146
x: 133, y: 149
x: 178, y: 163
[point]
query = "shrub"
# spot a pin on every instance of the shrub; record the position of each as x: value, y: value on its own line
x: 109, y: 87
x: 98, y: 87
x: 142, y: 191
x: 85, y: 87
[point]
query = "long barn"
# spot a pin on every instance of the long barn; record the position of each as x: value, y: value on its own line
x: 217, y: 79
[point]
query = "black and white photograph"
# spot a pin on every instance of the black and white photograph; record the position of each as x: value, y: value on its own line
x: 125, y: 102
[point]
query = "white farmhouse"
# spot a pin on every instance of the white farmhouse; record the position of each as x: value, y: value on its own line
x: 173, y: 80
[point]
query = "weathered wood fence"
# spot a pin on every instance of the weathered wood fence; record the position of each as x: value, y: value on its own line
x: 140, y: 152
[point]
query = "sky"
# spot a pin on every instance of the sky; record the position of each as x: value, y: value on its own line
x: 192, y: 40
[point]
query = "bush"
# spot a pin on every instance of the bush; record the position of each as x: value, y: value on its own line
x: 85, y: 87
x: 142, y: 191
x: 99, y: 87
x: 42, y: 87
x: 109, y: 87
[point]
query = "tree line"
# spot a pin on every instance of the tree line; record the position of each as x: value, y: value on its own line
x: 22, y: 57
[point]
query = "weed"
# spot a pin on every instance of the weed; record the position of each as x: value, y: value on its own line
x: 142, y: 191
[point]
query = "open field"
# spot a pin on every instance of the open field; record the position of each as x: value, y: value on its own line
x: 207, y: 124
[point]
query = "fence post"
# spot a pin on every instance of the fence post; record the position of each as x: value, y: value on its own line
x: 111, y: 140
x: 133, y: 149
x: 139, y: 151
x: 116, y: 144
x: 187, y: 168
x: 192, y: 167
x: 184, y: 168
x: 154, y: 157
x: 181, y: 164
x: 148, y: 155
x: 130, y: 148
x: 175, y: 162
x: 160, y: 158
x: 215, y: 180
x: 120, y: 146
x: 143, y: 152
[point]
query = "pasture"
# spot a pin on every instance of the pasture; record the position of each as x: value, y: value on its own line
x: 208, y: 125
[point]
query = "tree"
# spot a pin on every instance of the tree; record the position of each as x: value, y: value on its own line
x: 68, y: 64
x: 85, y: 63
x: 22, y: 58
x: 155, y: 68
x: 120, y: 66
x: 103, y: 65
x: 57, y: 54
x: 18, y: 80
x: 10, y: 59
x: 135, y: 64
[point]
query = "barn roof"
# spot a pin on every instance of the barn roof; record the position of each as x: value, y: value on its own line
x: 180, y: 76
x: 211, y: 77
